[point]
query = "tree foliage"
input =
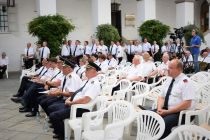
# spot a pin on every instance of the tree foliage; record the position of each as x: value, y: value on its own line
x: 52, y: 29
x: 153, y: 30
x: 107, y: 33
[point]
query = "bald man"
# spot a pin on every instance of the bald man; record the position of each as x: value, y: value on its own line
x: 178, y: 94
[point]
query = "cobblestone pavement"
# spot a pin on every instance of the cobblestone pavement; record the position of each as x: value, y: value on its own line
x: 14, y: 125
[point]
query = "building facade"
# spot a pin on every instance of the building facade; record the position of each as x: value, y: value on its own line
x: 86, y: 15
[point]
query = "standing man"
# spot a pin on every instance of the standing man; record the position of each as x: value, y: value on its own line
x: 195, y: 44
x: 178, y: 94
x: 65, y: 50
x: 130, y: 51
x: 29, y: 54
x: 44, y: 51
x: 146, y: 46
x: 113, y: 49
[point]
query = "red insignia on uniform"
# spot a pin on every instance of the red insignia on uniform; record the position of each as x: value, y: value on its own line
x: 185, y: 80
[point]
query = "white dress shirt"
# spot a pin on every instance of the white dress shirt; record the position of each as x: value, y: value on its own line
x: 45, y: 51
x: 30, y: 51
x: 78, y: 50
x: 65, y: 50
x: 113, y: 49
x: 4, y: 61
x: 146, y: 47
x: 148, y: 67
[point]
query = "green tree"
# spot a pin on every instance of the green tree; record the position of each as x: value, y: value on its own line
x: 52, y: 29
x: 107, y: 33
x: 188, y: 33
x: 153, y: 30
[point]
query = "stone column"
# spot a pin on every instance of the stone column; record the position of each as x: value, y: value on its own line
x: 46, y: 7
x: 146, y: 10
x: 101, y: 12
x: 184, y: 12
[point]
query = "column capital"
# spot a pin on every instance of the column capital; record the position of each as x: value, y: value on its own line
x: 180, y: 1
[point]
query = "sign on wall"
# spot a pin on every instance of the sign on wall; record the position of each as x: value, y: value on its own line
x: 130, y: 20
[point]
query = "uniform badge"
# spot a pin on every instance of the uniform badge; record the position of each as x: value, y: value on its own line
x: 92, y: 82
x: 185, y: 80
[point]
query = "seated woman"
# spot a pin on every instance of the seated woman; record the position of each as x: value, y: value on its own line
x: 204, y: 60
x: 3, y: 64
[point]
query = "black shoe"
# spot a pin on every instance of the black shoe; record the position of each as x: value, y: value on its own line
x: 21, y: 107
x: 16, y: 99
x: 17, y: 95
x: 55, y: 136
x: 24, y: 110
x: 31, y: 114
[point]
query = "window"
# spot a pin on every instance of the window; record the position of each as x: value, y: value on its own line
x: 4, y: 25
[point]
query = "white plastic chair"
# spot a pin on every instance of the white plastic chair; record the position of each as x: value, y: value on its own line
x: 199, y: 78
x: 150, y: 125
x: 143, y: 99
x: 122, y: 113
x: 138, y: 88
x: 76, y: 124
x: 159, y: 82
x: 6, y: 72
x: 189, y: 132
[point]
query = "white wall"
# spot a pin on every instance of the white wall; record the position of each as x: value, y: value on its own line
x: 166, y: 12
x: 79, y: 11
x: 14, y: 42
x: 128, y: 7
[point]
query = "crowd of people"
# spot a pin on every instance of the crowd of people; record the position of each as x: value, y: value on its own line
x: 72, y: 77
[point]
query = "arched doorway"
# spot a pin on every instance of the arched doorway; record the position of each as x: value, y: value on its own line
x: 204, y: 14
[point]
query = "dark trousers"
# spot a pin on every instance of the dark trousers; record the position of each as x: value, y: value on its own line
x: 119, y: 60
x: 129, y: 57
x: 2, y: 71
x: 60, y: 112
x: 24, y: 85
x: 30, y: 97
x: 29, y: 63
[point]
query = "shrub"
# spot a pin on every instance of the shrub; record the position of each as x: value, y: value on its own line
x: 153, y: 30
x: 52, y: 29
x: 107, y: 33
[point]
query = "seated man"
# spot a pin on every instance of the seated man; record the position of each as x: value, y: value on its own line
x: 178, y: 94
x: 3, y: 64
x: 134, y: 74
x: 89, y: 90
x: 204, y: 60
x: 162, y: 69
x: 26, y: 80
x: 112, y: 62
x: 188, y: 64
x: 69, y: 84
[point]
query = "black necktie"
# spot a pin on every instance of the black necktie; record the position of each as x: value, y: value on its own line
x: 27, y: 52
x: 55, y: 76
x: 78, y: 70
x: 44, y: 72
x: 70, y: 50
x: 64, y: 82
x: 109, y: 62
x: 85, y: 50
x: 165, y: 106
x: 75, y: 93
x: 92, y: 49
x: 42, y: 53
x: 130, y: 49
x: 41, y: 71
x: 154, y: 48
x: 75, y: 50
x: 111, y: 49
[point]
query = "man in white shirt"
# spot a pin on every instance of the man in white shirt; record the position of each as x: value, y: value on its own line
x: 112, y: 62
x: 104, y: 48
x: 103, y: 63
x: 65, y: 50
x: 178, y: 94
x: 113, y: 49
x: 130, y: 51
x: 78, y: 51
x: 87, y: 48
x: 93, y: 46
x: 138, y: 48
x: 3, y: 64
x: 44, y: 51
x: 88, y: 91
x: 146, y: 46
x: 154, y: 51
x: 29, y: 54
